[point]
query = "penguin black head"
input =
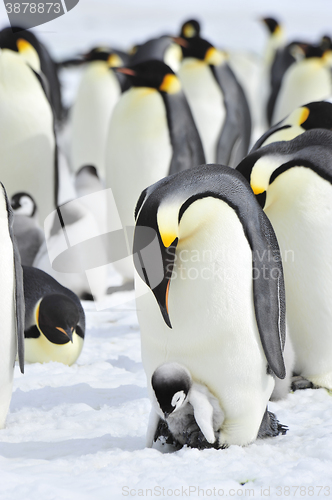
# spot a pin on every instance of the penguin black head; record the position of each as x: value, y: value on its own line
x: 190, y: 29
x: 103, y: 54
x: 171, y: 383
x: 326, y: 43
x: 24, y: 42
x: 57, y: 317
x: 271, y: 24
x: 203, y: 50
x: 154, y: 74
x: 317, y: 115
x: 23, y: 204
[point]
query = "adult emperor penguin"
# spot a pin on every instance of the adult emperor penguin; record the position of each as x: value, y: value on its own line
x: 38, y: 57
x: 28, y: 154
x: 292, y: 181
x: 152, y: 134
x: 193, y: 415
x: 54, y: 320
x: 306, y: 80
x: 11, y: 308
x: 210, y: 292
x: 217, y: 100
x: 98, y: 92
x: 28, y: 233
x: 312, y: 115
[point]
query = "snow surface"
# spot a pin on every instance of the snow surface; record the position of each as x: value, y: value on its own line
x: 79, y: 432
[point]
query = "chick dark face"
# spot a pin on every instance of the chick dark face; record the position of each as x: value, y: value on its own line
x: 57, y: 318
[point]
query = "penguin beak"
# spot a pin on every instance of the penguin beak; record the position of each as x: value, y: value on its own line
x: 180, y: 41
x: 67, y: 332
x: 154, y: 257
x: 125, y: 71
x: 166, y: 415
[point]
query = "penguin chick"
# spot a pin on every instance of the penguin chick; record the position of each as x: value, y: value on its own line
x: 192, y: 413
x: 54, y: 320
x: 29, y: 235
x: 312, y: 115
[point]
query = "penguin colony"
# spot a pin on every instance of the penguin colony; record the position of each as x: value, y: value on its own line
x: 226, y: 203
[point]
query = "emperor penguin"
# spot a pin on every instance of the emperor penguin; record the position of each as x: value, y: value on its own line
x: 292, y: 182
x: 28, y: 152
x: 312, y: 115
x: 164, y: 48
x: 54, y: 320
x: 28, y: 233
x: 40, y: 60
x: 308, y: 79
x: 217, y: 101
x: 98, y: 92
x: 11, y: 307
x: 193, y: 415
x: 210, y: 292
x: 152, y: 134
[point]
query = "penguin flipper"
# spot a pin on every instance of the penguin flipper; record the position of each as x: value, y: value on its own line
x: 186, y: 143
x: 234, y: 139
x: 19, y: 292
x: 203, y: 413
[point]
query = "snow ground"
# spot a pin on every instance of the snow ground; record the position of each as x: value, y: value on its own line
x: 79, y: 432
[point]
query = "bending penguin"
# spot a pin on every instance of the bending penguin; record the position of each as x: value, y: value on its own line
x: 292, y: 182
x: 217, y: 101
x: 54, y: 320
x: 11, y: 308
x: 152, y: 134
x: 312, y: 115
x: 200, y: 237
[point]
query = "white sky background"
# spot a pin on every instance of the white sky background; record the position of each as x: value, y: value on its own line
x: 230, y: 24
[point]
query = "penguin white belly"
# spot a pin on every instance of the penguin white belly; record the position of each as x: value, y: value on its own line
x: 304, y: 82
x: 206, y: 103
x: 97, y: 95
x: 139, y: 153
x: 302, y: 220
x: 41, y: 350
x: 7, y: 316
x: 214, y: 331
x: 27, y: 141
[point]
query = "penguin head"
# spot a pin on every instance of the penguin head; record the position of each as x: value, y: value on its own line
x: 57, y: 317
x: 190, y: 29
x: 153, y: 74
x: 23, y: 204
x: 171, y: 383
x: 24, y: 42
x: 204, y: 51
x: 272, y: 25
x: 172, y: 213
x: 103, y: 54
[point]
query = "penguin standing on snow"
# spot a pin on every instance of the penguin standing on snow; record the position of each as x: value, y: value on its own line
x: 210, y: 293
x: 54, y: 320
x: 217, y: 101
x: 98, y: 92
x: 152, y: 134
x: 292, y: 182
x: 11, y: 306
x: 312, y: 115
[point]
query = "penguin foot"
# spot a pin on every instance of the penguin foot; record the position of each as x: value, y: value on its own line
x: 270, y: 426
x: 299, y: 383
